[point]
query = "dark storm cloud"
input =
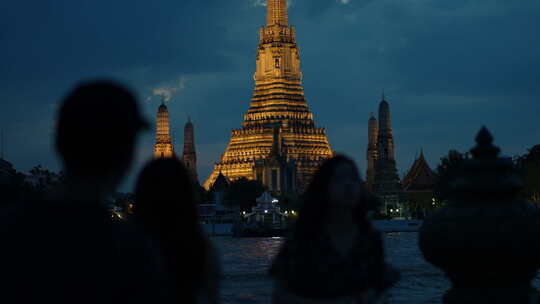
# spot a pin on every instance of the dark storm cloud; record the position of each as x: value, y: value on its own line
x: 447, y: 66
x: 66, y: 38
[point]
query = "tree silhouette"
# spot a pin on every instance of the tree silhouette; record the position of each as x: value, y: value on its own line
x: 447, y: 171
x: 243, y: 193
x: 528, y: 167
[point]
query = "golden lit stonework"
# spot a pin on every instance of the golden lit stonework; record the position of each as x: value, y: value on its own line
x: 163, y: 147
x: 278, y: 102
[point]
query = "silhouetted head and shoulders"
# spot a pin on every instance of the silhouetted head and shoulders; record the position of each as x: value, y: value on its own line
x: 67, y: 248
x: 96, y: 134
x: 333, y: 250
x: 166, y: 207
x: 337, y: 186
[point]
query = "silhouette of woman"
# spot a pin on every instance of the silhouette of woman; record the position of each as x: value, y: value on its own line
x: 165, y: 206
x: 333, y: 254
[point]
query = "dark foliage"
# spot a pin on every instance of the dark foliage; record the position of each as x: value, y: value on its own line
x: 528, y: 166
x: 243, y: 193
x: 448, y: 170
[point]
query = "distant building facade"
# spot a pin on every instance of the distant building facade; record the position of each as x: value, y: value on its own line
x: 278, y: 100
x: 163, y: 148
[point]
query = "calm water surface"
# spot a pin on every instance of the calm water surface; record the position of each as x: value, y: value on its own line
x: 245, y: 265
x: 246, y: 261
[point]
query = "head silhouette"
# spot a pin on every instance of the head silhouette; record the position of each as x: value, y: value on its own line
x: 165, y: 193
x: 96, y: 130
x: 336, y: 184
x: 165, y: 206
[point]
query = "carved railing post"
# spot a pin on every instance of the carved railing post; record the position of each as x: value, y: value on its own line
x: 486, y: 240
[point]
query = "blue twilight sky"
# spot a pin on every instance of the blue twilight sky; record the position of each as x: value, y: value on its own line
x: 448, y: 67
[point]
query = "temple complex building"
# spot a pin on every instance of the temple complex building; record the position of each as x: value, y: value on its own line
x: 418, y: 185
x: 189, y: 155
x: 278, y: 106
x: 163, y: 148
x: 382, y: 175
x: 420, y: 177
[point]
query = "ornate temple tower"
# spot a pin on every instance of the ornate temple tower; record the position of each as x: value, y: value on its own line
x: 189, y: 156
x: 278, y: 99
x: 386, y: 185
x: 163, y: 146
x: 373, y: 130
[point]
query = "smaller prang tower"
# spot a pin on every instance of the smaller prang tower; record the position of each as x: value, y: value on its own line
x: 385, y: 183
x: 373, y: 130
x: 189, y: 156
x: 163, y: 147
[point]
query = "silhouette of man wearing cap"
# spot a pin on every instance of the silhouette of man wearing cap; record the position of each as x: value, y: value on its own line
x: 68, y: 249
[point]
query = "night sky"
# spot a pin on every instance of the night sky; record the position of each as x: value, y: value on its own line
x: 447, y: 67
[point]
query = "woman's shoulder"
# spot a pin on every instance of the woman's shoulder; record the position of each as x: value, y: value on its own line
x: 212, y: 257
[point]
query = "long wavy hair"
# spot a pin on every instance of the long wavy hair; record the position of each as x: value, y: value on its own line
x: 165, y: 206
x: 316, y: 201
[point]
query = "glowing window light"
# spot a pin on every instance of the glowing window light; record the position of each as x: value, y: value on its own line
x: 265, y: 211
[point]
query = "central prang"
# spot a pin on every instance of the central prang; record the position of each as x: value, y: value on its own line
x: 278, y: 143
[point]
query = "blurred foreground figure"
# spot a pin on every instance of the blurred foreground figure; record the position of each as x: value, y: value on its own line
x: 333, y: 255
x: 67, y: 249
x: 486, y: 240
x: 165, y: 205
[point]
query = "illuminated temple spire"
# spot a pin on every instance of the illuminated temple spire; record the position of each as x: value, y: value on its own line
x: 278, y: 101
x: 163, y: 147
x: 276, y: 13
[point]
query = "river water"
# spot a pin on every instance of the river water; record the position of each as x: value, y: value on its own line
x: 246, y: 260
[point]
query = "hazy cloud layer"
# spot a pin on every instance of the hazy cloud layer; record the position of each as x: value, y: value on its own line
x: 447, y: 68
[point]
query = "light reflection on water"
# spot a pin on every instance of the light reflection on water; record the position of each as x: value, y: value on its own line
x: 246, y: 260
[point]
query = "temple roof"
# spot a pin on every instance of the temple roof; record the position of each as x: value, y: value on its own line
x: 221, y: 183
x: 420, y: 177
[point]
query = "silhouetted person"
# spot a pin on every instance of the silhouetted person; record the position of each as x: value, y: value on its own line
x: 333, y: 253
x: 67, y: 249
x: 165, y: 206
